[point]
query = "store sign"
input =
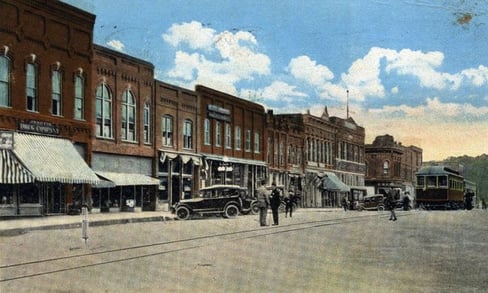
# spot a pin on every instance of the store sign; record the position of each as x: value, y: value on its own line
x: 40, y: 127
x: 218, y: 113
x: 6, y: 140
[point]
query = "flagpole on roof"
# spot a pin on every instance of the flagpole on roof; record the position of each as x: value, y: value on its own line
x: 347, y: 104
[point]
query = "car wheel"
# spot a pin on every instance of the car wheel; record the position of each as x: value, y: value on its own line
x: 381, y: 208
x: 183, y: 213
x: 231, y: 211
x: 255, y: 209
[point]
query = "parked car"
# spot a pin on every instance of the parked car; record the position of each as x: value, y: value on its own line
x: 226, y: 200
x: 372, y: 202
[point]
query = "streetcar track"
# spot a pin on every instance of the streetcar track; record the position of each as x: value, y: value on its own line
x: 258, y: 232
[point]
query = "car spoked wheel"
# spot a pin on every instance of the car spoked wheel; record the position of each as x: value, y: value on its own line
x: 254, y: 209
x: 231, y: 211
x: 183, y: 213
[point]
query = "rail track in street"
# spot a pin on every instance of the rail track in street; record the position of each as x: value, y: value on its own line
x: 47, y: 266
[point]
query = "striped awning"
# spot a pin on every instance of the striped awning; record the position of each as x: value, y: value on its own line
x: 127, y: 179
x: 52, y: 159
x: 12, y: 171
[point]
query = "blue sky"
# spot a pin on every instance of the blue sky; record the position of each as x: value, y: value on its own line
x: 415, y: 69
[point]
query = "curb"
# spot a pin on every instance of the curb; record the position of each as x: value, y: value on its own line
x: 96, y: 223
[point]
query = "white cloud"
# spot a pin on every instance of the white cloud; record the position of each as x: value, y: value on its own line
x: 193, y: 34
x: 478, y: 76
x: 395, y: 90
x: 116, y: 45
x: 306, y: 69
x: 217, y: 60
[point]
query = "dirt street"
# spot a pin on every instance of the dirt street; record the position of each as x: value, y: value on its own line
x: 315, y: 251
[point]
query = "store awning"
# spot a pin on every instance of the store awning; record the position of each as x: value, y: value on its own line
x: 185, y: 157
x: 52, y: 159
x: 235, y: 160
x: 331, y: 182
x: 127, y: 179
x: 12, y: 171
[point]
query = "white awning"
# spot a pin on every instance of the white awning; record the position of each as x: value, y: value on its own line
x: 331, y: 182
x: 235, y: 160
x: 52, y: 159
x: 127, y: 179
x: 12, y: 171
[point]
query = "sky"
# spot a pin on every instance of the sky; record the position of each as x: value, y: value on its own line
x: 413, y: 69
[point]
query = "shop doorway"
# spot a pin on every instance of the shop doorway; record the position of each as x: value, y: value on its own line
x: 54, y: 200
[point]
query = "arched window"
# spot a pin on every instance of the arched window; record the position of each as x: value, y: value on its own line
x: 187, y: 134
x: 386, y: 168
x: 167, y: 129
x: 79, y: 97
x: 128, y: 116
x: 104, y: 111
x: 147, y: 123
x: 56, y: 95
x: 4, y: 81
x: 31, y: 87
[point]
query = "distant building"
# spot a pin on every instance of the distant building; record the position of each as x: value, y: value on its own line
x: 389, y: 164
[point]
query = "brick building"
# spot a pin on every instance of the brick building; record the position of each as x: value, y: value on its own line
x: 123, y: 146
x: 177, y: 124
x: 45, y: 83
x: 389, y: 164
x: 231, y: 139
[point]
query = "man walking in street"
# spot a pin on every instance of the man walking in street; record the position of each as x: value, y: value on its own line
x: 390, y: 204
x: 275, y: 202
x: 263, y: 202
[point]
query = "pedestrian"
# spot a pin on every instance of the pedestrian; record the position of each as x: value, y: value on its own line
x: 289, y: 201
x: 275, y: 202
x: 263, y: 202
x: 390, y: 204
x: 406, y: 202
x: 344, y: 203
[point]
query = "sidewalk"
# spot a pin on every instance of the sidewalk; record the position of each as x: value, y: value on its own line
x: 16, y: 226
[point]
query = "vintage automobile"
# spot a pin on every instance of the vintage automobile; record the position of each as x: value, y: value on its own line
x: 226, y: 200
x: 372, y: 202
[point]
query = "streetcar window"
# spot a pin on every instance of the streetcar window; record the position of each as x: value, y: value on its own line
x: 442, y: 181
x: 420, y: 181
x: 431, y: 181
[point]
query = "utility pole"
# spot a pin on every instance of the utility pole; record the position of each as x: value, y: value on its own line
x: 347, y: 104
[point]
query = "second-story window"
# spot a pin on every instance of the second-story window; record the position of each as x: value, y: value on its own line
x: 187, y: 134
x: 248, y: 140
x: 79, y: 97
x: 238, y: 136
x: 206, y: 132
x: 104, y: 111
x: 386, y: 168
x: 228, y: 136
x: 128, y: 116
x: 147, y: 123
x: 256, y: 142
x: 4, y: 81
x: 218, y: 134
x: 56, y: 93
x: 31, y: 88
x: 167, y: 128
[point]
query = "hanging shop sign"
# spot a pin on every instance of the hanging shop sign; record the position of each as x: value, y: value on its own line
x: 6, y: 140
x: 41, y: 127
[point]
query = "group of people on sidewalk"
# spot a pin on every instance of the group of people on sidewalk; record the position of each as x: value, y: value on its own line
x: 273, y: 200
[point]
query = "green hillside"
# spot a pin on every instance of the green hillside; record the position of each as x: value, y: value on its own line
x: 475, y: 169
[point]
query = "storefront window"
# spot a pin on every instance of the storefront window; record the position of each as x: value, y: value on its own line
x: 163, y: 189
x: 28, y: 193
x: 6, y: 194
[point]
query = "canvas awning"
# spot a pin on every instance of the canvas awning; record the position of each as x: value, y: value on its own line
x: 52, y: 159
x: 127, y: 179
x: 12, y: 171
x: 331, y: 182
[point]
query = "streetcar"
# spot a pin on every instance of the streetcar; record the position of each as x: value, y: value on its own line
x: 439, y: 187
